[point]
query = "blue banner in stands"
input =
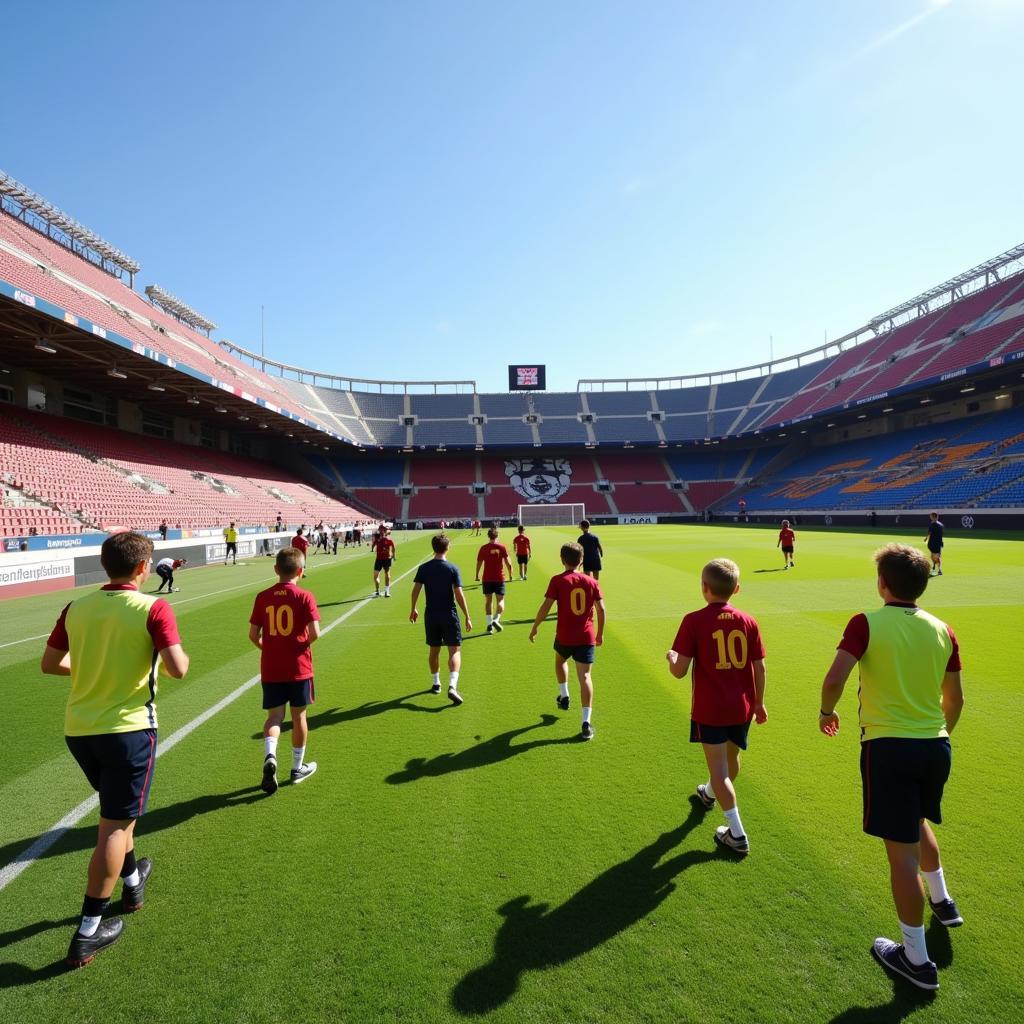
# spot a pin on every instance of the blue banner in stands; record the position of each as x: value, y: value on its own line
x: 73, y: 540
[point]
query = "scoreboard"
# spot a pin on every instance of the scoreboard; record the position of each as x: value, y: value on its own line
x: 527, y: 378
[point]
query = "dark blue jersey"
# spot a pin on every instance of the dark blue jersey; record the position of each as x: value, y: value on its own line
x: 591, y: 546
x: 935, y: 533
x: 439, y: 579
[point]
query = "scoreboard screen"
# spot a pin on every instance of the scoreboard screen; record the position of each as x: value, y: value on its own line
x: 527, y: 378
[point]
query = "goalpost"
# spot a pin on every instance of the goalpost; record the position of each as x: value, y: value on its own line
x: 552, y: 515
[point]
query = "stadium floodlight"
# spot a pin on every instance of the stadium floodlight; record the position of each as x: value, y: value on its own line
x: 219, y: 408
x: 116, y: 373
x: 193, y: 400
x: 179, y: 310
x: 966, y: 389
x: 551, y: 515
x: 42, y: 345
x: 888, y: 408
x: 29, y: 200
x: 155, y: 387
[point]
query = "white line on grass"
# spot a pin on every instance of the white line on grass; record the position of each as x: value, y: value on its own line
x: 28, y: 857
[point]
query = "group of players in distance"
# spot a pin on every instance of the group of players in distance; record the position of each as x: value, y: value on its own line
x: 910, y: 701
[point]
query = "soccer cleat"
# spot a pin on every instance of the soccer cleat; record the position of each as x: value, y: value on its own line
x: 436, y: 688
x: 498, y: 627
x: 377, y: 594
x: 738, y: 844
x: 303, y: 772
x: 785, y: 567
x: 490, y: 629
x: 893, y: 957
x: 454, y: 696
x: 563, y: 703
x: 269, y: 783
x: 132, y: 895
x: 705, y: 796
x: 939, y: 573
x: 386, y: 594
x: 586, y: 731
x: 176, y: 590
x: 947, y: 913
x: 83, y: 948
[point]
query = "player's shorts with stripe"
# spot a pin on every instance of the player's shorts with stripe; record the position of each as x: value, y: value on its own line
x: 381, y: 563
x: 903, y: 781
x: 737, y: 734
x: 582, y: 653
x: 119, y: 766
x: 298, y: 694
x: 494, y: 588
x: 442, y: 630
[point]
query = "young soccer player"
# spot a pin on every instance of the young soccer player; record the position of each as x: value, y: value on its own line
x: 384, y: 555
x: 576, y: 595
x: 165, y: 569
x: 522, y: 545
x: 443, y: 585
x: 493, y: 558
x: 301, y: 544
x: 786, y: 540
x: 724, y: 646
x: 592, y: 550
x: 476, y: 527
x: 230, y: 544
x: 110, y: 643
x: 935, y: 542
x: 910, y: 699
x: 284, y: 624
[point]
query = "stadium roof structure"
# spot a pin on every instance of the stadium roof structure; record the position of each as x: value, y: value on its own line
x: 172, y: 304
x: 22, y: 202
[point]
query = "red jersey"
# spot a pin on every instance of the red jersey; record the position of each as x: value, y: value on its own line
x: 723, y: 643
x: 521, y: 543
x: 284, y: 613
x: 576, y: 594
x: 786, y: 538
x: 301, y: 543
x: 385, y: 548
x: 494, y: 556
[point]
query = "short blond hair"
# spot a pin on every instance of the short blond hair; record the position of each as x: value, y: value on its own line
x: 722, y: 576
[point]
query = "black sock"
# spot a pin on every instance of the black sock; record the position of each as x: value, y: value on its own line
x: 129, y: 864
x: 93, y: 906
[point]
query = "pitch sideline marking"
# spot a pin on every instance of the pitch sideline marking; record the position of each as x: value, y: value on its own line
x: 25, y: 859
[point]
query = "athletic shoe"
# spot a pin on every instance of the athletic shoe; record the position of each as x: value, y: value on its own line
x: 939, y: 573
x: 946, y: 912
x: 738, y: 844
x: 498, y: 627
x: 83, y: 948
x: 132, y: 895
x: 303, y: 772
x: 436, y: 688
x: 176, y: 590
x: 705, y: 796
x: 893, y: 957
x: 386, y: 594
x: 490, y: 629
x: 563, y: 703
x: 586, y: 731
x: 785, y: 567
x: 269, y: 783
x: 454, y: 696
x: 375, y: 595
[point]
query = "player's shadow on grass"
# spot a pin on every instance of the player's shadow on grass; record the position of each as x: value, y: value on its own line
x: 769, y: 570
x: 537, y: 937
x: 493, y: 751
x: 335, y: 604
x: 506, y: 623
x: 906, y: 998
x: 332, y: 716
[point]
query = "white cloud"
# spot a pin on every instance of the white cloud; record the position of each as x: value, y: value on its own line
x: 934, y: 6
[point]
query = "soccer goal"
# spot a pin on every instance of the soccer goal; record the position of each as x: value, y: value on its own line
x: 552, y: 515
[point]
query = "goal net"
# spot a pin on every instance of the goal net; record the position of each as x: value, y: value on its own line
x: 552, y: 515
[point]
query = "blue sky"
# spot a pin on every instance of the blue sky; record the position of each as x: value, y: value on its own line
x: 436, y: 189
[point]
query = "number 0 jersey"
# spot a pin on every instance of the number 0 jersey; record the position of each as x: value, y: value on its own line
x: 723, y: 643
x: 576, y: 595
x: 284, y: 612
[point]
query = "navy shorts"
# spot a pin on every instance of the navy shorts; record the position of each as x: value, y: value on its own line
x: 788, y: 551
x: 581, y: 653
x: 594, y: 566
x: 903, y: 781
x: 736, y: 734
x: 298, y: 694
x: 494, y: 588
x: 442, y: 630
x: 231, y: 548
x: 381, y: 563
x: 522, y: 559
x: 935, y: 549
x: 119, y: 766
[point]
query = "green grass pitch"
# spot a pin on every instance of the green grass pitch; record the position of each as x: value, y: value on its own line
x: 481, y: 862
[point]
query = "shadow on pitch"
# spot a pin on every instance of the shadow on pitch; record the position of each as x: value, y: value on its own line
x: 336, y: 604
x: 906, y: 998
x: 332, y: 716
x: 769, y: 570
x: 493, y: 751
x: 537, y: 937
x: 507, y: 624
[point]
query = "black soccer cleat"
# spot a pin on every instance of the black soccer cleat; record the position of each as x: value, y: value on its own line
x: 132, y: 895
x: 586, y: 731
x: 498, y: 627
x: 946, y: 913
x: 436, y: 688
x: 490, y: 629
x: 83, y: 948
x: 454, y: 696
x: 562, y: 702
x: 893, y: 957
x: 269, y: 783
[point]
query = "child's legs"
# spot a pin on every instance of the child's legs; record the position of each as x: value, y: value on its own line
x: 501, y: 604
x: 929, y: 848
x: 376, y: 578
x: 732, y: 753
x: 434, y: 659
x: 717, y: 757
x: 387, y: 577
x: 561, y: 669
x: 300, y: 728
x: 907, y: 890
x: 272, y: 726
x: 454, y: 659
x: 487, y: 603
x: 586, y: 684
x: 114, y: 840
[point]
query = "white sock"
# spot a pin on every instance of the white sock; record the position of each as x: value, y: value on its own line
x: 269, y: 746
x: 586, y: 714
x: 132, y: 879
x: 498, y: 616
x: 914, y: 944
x: 298, y: 753
x: 387, y: 589
x: 563, y: 689
x: 453, y: 680
x: 89, y: 925
x: 435, y: 678
x: 709, y: 789
x: 732, y: 819
x: 489, y: 620
x: 937, y: 891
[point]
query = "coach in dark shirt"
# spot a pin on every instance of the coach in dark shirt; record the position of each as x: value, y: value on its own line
x: 592, y: 550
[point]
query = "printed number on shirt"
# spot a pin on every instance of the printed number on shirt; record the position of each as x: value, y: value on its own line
x: 732, y: 650
x: 578, y: 600
x: 280, y: 620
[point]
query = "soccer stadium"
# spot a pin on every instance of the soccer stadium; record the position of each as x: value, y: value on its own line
x: 458, y: 848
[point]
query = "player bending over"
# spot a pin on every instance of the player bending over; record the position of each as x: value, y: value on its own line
x: 443, y: 585
x: 165, y: 569
x: 910, y: 699
x: 493, y: 557
x: 785, y: 541
x: 384, y: 555
x: 284, y: 624
x: 725, y: 648
x: 522, y: 545
x: 575, y: 637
